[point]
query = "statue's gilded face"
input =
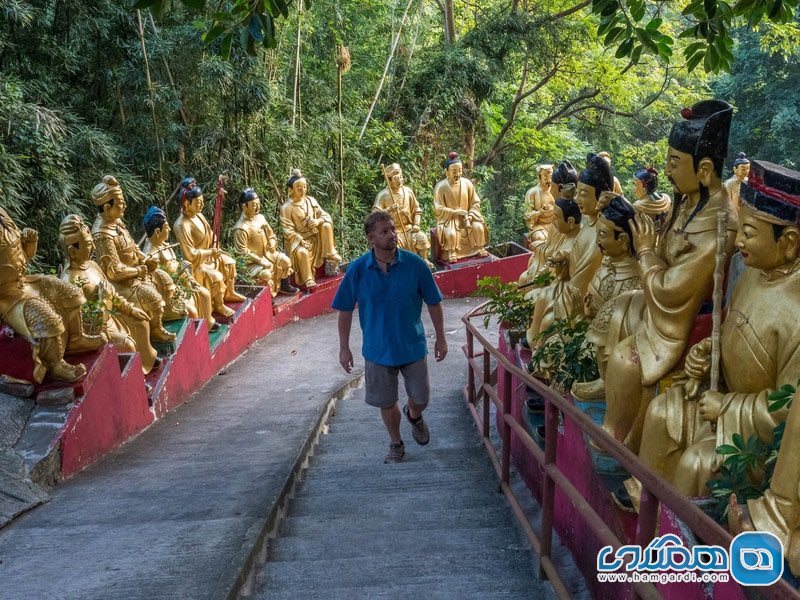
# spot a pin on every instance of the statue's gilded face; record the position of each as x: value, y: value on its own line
x: 757, y: 243
x: 742, y: 171
x: 680, y: 171
x: 117, y: 210
x: 84, y: 248
x: 545, y: 178
x: 299, y: 188
x: 160, y: 235
x: 194, y: 206
x: 639, y: 191
x: 586, y: 199
x: 251, y: 208
x: 397, y: 180
x: 610, y: 245
x: 454, y: 172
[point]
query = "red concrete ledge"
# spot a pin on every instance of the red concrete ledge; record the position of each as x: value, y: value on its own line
x: 112, y: 403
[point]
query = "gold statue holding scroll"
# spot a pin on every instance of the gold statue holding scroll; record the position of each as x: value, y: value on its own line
x: 197, y: 299
x: 256, y: 241
x: 759, y: 350
x: 677, y: 275
x: 400, y: 201
x: 136, y: 277
x: 213, y: 268
x: 460, y: 227
x: 43, y: 309
x: 307, y: 232
x: 125, y: 325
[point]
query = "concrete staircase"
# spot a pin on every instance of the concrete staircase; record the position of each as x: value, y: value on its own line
x: 433, y: 526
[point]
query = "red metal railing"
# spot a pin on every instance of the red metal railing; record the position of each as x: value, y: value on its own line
x: 655, y: 490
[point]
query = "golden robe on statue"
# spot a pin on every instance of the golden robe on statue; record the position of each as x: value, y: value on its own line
x: 459, y: 236
x: 760, y: 351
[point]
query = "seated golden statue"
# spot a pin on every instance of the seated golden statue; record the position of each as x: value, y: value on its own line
x: 649, y: 200
x: 565, y: 178
x: 214, y: 269
x: 400, y: 201
x: 44, y: 310
x: 559, y: 299
x: 125, y: 325
x: 538, y: 208
x: 307, y: 232
x: 460, y: 228
x: 620, y: 274
x: 760, y: 352
x: 595, y: 179
x: 136, y: 278
x: 198, y: 299
x: 677, y: 275
x: 255, y: 240
x: 741, y: 168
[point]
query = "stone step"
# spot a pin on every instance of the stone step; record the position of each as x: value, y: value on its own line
x: 471, y: 574
x: 465, y: 589
x: 344, y: 504
x: 355, y: 542
x: 338, y: 525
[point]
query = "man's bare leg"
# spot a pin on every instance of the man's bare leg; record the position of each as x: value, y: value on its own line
x: 391, y: 419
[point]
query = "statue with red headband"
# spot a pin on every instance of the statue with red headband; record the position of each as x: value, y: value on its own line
x: 460, y: 227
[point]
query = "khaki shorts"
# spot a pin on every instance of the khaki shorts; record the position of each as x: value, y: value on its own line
x: 381, y: 383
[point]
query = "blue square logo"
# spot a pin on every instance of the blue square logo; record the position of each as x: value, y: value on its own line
x: 756, y: 558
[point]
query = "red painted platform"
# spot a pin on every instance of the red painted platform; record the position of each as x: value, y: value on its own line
x: 112, y: 402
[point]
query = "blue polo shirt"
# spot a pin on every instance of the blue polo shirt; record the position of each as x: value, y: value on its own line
x: 389, y: 306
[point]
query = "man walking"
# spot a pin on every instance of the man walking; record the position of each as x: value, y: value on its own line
x: 389, y: 284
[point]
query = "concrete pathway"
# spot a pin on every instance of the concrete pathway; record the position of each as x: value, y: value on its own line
x: 176, y: 512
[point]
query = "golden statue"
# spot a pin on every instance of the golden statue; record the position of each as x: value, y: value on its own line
x: 459, y: 224
x: 307, y: 232
x: 400, y: 201
x: 136, y: 277
x: 198, y: 299
x: 214, y: 269
x: 677, y: 275
x: 595, y: 179
x: 649, y: 200
x: 759, y: 352
x: 559, y: 299
x: 254, y: 239
x: 741, y: 168
x: 125, y: 325
x: 620, y: 274
x: 564, y: 180
x: 538, y: 208
x: 43, y: 309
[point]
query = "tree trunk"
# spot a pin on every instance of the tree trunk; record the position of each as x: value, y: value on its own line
x: 449, y: 22
x: 469, y: 146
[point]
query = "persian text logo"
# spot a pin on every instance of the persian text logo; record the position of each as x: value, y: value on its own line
x: 756, y: 558
x: 663, y: 553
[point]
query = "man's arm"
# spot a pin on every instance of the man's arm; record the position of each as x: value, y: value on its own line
x: 437, y: 317
x: 345, y: 323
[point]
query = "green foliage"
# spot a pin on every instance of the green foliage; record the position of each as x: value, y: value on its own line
x: 637, y: 27
x: 749, y: 464
x: 506, y: 302
x: 565, y: 354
